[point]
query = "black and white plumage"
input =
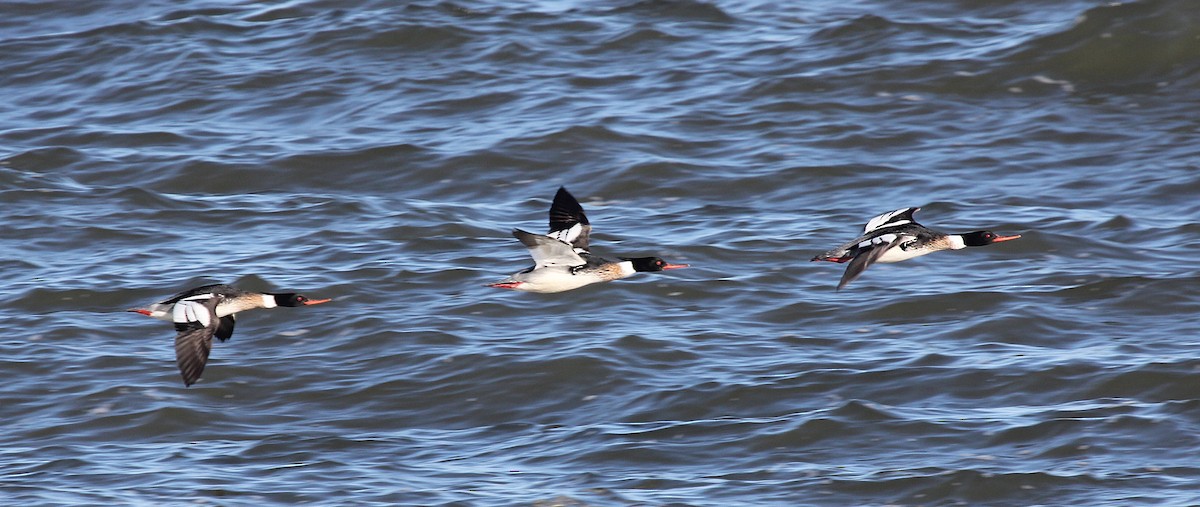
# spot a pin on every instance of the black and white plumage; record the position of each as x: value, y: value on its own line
x: 233, y: 300
x: 198, y: 326
x: 196, y: 322
x: 896, y: 236
x: 568, y: 223
x: 561, y: 259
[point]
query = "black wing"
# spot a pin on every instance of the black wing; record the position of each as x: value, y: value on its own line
x: 567, y: 221
x: 225, y: 328
x: 865, y: 258
x: 194, y: 342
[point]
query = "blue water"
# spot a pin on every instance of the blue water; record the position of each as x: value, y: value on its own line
x: 379, y: 153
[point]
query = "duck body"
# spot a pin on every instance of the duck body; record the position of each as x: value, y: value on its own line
x: 561, y: 258
x: 894, y: 237
x: 559, y: 267
x: 232, y: 300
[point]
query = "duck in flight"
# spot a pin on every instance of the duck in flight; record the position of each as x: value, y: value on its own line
x: 561, y: 260
x: 201, y: 313
x: 895, y: 236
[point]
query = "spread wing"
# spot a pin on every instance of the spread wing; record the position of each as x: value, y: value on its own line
x: 901, y: 216
x: 547, y: 251
x: 567, y: 221
x: 867, y: 253
x: 195, y: 321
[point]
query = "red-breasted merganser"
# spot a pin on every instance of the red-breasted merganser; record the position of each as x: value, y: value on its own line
x: 190, y: 311
x: 561, y: 258
x: 895, y: 236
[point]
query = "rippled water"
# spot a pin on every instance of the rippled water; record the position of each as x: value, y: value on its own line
x: 379, y: 152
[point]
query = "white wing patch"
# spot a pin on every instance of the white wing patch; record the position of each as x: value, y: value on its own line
x: 191, y: 310
x: 885, y: 220
x: 878, y: 240
x: 567, y: 235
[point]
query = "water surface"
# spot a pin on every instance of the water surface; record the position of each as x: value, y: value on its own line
x: 379, y: 153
